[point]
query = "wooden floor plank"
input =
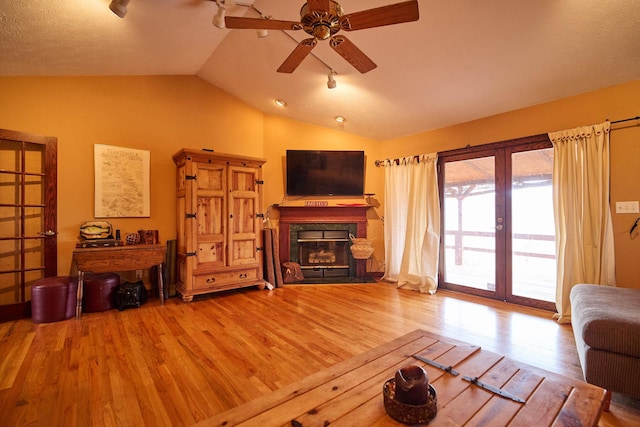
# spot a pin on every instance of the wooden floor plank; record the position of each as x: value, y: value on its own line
x: 182, y: 363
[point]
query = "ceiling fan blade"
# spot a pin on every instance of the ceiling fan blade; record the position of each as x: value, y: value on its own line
x: 301, y: 51
x: 386, y: 15
x: 241, y: 23
x: 319, y: 5
x: 352, y: 54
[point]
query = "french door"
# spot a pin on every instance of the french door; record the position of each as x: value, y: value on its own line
x: 27, y: 218
x: 497, y: 221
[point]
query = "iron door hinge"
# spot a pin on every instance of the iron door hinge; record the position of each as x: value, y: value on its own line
x: 260, y: 215
x: 259, y: 182
x: 190, y: 177
x: 189, y: 215
x: 190, y: 254
x: 259, y: 249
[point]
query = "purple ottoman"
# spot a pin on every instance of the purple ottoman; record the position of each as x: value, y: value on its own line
x: 98, y: 291
x: 53, y: 299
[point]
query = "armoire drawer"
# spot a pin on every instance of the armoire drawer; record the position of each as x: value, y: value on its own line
x: 213, y: 280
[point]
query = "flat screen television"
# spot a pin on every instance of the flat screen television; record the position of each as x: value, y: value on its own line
x: 325, y: 173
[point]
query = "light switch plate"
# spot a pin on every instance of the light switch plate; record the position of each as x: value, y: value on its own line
x: 627, y: 207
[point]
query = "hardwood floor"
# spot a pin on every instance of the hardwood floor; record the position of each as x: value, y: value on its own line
x: 177, y: 364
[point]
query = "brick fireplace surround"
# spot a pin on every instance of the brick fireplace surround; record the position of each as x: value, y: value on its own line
x: 296, y: 218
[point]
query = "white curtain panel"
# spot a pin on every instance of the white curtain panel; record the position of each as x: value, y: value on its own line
x: 412, y: 223
x: 584, y: 232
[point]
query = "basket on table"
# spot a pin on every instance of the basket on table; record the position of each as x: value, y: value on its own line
x: 361, y: 248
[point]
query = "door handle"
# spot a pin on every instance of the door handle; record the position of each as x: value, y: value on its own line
x: 48, y: 233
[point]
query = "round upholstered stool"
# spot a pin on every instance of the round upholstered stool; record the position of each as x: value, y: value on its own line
x: 53, y: 299
x: 98, y: 291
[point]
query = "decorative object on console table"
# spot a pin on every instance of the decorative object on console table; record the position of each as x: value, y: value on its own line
x: 99, y: 243
x: 219, y: 229
x: 132, y: 238
x: 97, y: 234
x: 95, y: 230
x: 148, y: 237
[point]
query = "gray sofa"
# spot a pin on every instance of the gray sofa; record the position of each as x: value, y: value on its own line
x: 606, y: 325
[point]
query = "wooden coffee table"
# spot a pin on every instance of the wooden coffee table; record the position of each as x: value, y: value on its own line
x: 350, y: 393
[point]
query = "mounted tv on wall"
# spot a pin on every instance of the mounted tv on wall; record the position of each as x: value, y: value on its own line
x: 325, y: 173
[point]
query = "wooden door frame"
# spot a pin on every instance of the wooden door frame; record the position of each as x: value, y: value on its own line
x: 503, y: 206
x: 23, y: 308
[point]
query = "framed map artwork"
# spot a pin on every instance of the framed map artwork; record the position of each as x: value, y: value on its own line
x: 121, y: 182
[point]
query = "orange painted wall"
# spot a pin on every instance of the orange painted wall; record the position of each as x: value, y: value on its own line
x: 613, y: 103
x: 165, y: 113
x: 159, y: 114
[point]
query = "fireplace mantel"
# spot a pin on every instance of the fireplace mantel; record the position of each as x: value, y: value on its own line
x: 321, y: 215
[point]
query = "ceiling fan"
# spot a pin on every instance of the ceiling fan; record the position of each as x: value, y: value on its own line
x: 323, y: 19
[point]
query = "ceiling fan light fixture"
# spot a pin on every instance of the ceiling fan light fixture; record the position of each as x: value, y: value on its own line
x: 340, y: 119
x: 119, y: 7
x: 331, y: 82
x: 218, y: 18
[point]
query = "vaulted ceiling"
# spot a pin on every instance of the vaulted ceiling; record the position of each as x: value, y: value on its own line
x: 462, y: 60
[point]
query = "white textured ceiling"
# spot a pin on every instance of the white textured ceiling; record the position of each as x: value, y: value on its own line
x: 462, y: 60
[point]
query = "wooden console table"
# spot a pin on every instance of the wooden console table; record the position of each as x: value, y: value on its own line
x: 350, y: 392
x: 118, y: 258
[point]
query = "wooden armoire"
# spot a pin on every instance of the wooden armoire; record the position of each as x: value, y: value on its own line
x: 219, y: 222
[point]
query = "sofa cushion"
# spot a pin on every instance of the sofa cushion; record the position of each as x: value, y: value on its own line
x: 607, y: 317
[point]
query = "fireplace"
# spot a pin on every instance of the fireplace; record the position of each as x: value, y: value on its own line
x: 322, y: 253
x: 317, y: 238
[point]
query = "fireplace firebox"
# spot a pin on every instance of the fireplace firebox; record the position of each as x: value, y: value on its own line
x: 324, y: 253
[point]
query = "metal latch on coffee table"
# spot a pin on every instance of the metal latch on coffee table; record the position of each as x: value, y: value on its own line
x: 472, y: 380
x: 435, y: 364
x: 492, y: 389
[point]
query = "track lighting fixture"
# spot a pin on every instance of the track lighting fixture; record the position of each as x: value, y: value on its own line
x: 119, y: 7
x: 331, y: 82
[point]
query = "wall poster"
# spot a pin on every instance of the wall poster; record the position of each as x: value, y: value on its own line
x: 121, y: 182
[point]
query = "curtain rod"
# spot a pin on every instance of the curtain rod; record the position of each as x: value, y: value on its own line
x: 626, y: 120
x: 382, y: 163
x: 385, y: 162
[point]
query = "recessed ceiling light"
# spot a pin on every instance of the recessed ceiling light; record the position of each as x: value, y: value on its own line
x: 280, y: 102
x: 339, y: 119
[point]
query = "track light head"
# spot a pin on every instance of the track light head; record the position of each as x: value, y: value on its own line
x: 331, y: 82
x: 218, y: 19
x: 119, y: 7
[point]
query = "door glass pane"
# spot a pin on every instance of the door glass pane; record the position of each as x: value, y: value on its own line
x: 33, y: 221
x: 33, y: 254
x: 10, y: 188
x: 34, y: 190
x: 10, y: 155
x: 533, y: 230
x: 10, y: 291
x: 469, y: 223
x: 34, y: 158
